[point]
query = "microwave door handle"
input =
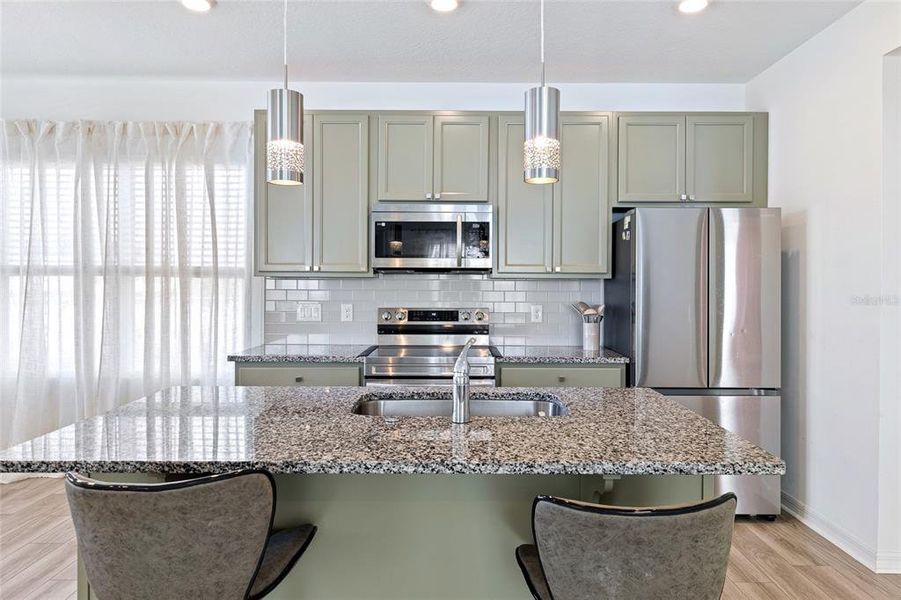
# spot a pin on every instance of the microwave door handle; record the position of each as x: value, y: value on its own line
x: 459, y: 240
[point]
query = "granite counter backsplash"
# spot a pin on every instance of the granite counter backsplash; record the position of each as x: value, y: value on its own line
x: 558, y: 355
x: 313, y: 430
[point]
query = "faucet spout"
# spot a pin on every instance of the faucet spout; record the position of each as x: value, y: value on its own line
x: 461, y: 385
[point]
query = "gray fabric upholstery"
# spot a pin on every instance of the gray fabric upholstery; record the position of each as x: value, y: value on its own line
x: 282, y: 551
x: 204, y: 539
x: 527, y: 557
x: 594, y: 552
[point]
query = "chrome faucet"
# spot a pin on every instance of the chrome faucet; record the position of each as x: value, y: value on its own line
x: 461, y: 385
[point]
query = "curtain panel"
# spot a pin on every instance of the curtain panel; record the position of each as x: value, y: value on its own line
x: 125, y: 264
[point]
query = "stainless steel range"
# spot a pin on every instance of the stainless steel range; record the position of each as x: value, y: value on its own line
x: 418, y: 346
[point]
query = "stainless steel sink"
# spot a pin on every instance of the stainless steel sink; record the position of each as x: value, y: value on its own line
x: 382, y: 406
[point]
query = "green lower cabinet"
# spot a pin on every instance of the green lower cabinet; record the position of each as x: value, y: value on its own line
x: 320, y: 374
x: 550, y: 375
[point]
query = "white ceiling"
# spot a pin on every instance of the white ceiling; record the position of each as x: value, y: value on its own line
x: 404, y: 40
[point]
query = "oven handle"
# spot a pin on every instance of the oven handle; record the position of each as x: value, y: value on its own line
x: 459, y: 240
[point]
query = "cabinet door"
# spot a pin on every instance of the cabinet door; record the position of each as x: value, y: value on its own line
x: 581, y: 209
x: 720, y: 158
x: 292, y: 376
x: 340, y: 193
x: 651, y: 158
x: 461, y: 158
x: 555, y: 376
x: 283, y: 225
x: 405, y: 157
x: 525, y: 218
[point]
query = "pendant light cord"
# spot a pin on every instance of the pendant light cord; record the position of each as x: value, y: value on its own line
x: 542, y: 42
x: 285, y: 41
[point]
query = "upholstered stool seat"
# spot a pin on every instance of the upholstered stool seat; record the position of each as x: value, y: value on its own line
x: 208, y: 537
x: 588, y: 551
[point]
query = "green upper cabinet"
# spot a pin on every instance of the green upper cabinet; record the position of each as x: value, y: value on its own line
x: 429, y: 158
x: 340, y: 198
x: 561, y: 228
x: 282, y: 213
x: 581, y: 205
x: 525, y: 212
x: 405, y: 157
x: 719, y: 162
x: 320, y: 227
x: 717, y: 158
x: 651, y: 162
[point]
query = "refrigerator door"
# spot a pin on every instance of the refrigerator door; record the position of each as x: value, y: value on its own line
x: 757, y: 419
x: 745, y: 288
x: 670, y: 335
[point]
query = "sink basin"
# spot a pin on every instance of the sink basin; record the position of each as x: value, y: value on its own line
x: 387, y: 406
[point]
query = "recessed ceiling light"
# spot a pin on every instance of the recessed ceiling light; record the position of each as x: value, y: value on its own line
x: 692, y: 6
x: 444, y: 5
x: 198, y: 5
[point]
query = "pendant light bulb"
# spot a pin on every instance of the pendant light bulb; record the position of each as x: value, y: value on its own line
x: 541, y: 151
x: 284, y: 117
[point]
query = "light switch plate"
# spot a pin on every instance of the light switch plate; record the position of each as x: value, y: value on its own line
x: 309, y: 311
x: 537, y: 313
x: 347, y: 312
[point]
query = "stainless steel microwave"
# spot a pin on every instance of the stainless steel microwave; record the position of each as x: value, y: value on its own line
x: 432, y: 236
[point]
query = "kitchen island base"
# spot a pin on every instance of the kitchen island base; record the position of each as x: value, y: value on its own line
x: 425, y: 536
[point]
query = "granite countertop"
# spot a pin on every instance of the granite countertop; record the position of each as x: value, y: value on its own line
x: 327, y: 353
x: 567, y: 355
x: 307, y: 353
x: 312, y: 430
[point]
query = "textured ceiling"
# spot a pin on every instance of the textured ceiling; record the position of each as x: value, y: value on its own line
x: 404, y: 40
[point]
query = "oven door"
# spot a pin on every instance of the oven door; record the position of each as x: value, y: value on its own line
x: 436, y: 381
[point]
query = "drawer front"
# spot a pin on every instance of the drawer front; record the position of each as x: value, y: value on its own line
x: 606, y: 376
x: 298, y: 375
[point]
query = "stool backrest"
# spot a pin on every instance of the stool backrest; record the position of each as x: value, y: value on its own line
x: 591, y: 551
x: 199, y: 538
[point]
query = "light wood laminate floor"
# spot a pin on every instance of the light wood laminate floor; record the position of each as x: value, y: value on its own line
x: 778, y: 560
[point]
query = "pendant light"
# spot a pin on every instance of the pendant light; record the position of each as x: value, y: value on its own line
x: 284, y: 140
x: 541, y: 152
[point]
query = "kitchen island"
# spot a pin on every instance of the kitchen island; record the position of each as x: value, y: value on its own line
x: 404, y: 505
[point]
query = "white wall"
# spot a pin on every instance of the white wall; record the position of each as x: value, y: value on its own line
x: 147, y: 99
x: 825, y: 101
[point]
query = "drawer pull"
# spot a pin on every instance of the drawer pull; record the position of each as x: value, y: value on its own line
x: 298, y: 379
x: 561, y: 378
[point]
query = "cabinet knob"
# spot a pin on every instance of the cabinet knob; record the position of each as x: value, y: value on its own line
x: 438, y: 196
x: 428, y: 195
x: 683, y: 197
x: 558, y: 269
x: 298, y: 380
x: 561, y: 378
x: 691, y: 197
x: 548, y: 269
x: 316, y: 268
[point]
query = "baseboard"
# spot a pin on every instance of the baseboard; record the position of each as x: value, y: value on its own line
x: 888, y: 562
x: 847, y: 542
x: 14, y: 477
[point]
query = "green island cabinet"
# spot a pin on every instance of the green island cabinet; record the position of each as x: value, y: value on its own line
x: 560, y: 229
x: 320, y: 227
x: 715, y: 158
x: 561, y: 375
x: 425, y: 157
x: 254, y: 373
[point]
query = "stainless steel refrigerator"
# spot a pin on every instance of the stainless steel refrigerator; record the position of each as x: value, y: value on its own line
x: 694, y: 302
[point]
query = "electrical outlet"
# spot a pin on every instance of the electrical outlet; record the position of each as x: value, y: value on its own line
x: 537, y: 313
x: 347, y: 312
x: 309, y: 311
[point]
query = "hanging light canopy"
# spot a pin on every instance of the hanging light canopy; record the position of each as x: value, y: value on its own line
x: 541, y: 152
x: 284, y: 140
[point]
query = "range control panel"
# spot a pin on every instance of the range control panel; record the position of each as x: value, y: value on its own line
x: 397, y: 316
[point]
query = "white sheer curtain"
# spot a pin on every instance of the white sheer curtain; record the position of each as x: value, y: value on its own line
x: 125, y: 264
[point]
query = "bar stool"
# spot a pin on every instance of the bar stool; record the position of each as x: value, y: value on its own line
x: 588, y: 551
x: 209, y: 537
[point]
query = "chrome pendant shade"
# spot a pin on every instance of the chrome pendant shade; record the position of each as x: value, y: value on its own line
x: 284, y: 131
x: 284, y: 141
x: 541, y: 151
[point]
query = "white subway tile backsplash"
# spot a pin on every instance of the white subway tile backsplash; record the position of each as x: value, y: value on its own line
x: 509, y: 300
